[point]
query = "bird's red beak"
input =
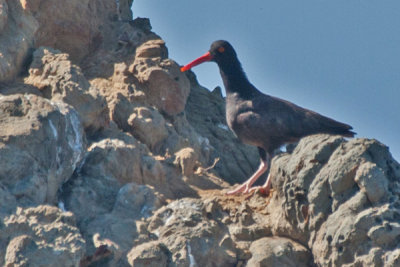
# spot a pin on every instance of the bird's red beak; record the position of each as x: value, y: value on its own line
x: 206, y: 57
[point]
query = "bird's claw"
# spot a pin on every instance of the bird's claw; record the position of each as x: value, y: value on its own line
x: 244, y: 188
x: 260, y: 189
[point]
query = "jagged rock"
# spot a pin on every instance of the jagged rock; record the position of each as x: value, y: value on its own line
x: 155, y: 198
x: 186, y: 159
x: 52, y: 72
x: 108, y: 165
x: 41, y: 143
x: 191, y: 237
x: 40, y: 236
x: 131, y: 111
x: 152, y: 49
x: 77, y: 28
x: 166, y: 87
x: 137, y: 201
x: 269, y: 251
x: 17, y: 30
x: 328, y: 200
x: 148, y: 126
x: 153, y: 254
x: 76, y: 33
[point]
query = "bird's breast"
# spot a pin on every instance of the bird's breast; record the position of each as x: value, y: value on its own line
x: 235, y: 107
x: 244, y: 122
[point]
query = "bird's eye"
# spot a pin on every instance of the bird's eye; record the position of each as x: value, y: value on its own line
x: 221, y: 49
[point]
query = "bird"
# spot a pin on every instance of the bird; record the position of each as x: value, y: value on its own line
x: 261, y: 120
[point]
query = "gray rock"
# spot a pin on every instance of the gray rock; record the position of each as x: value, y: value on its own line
x: 153, y: 254
x: 41, y: 144
x: 52, y: 72
x: 192, y: 238
x: 186, y: 160
x: 109, y: 165
x: 269, y: 251
x: 147, y: 191
x: 17, y: 38
x: 40, y: 236
x: 339, y: 197
x: 148, y: 126
x: 166, y: 87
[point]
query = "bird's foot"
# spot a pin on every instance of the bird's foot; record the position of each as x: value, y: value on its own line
x: 263, y: 190
x: 244, y: 188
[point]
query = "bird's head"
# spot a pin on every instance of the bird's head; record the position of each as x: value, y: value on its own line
x: 220, y: 52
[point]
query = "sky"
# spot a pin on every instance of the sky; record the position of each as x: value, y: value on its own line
x: 339, y: 58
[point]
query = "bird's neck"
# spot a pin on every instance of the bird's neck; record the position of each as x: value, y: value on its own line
x: 235, y: 80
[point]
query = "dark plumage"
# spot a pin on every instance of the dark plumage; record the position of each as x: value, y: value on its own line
x: 259, y: 119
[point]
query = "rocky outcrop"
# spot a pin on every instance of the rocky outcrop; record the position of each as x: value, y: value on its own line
x: 110, y: 156
x: 40, y: 236
x: 41, y: 144
x: 75, y: 27
x: 61, y: 81
x: 335, y: 203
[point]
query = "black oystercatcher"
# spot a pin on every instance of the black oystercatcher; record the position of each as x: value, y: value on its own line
x: 261, y: 120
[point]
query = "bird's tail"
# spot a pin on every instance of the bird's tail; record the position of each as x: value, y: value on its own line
x: 335, y: 127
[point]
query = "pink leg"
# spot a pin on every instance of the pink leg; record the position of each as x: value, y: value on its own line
x: 265, y: 188
x: 245, y: 187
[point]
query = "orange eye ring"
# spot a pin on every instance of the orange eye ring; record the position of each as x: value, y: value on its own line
x: 221, y: 49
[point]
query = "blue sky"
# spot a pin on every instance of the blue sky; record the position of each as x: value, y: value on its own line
x: 339, y: 58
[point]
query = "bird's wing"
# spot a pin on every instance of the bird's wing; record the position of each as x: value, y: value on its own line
x: 287, y: 121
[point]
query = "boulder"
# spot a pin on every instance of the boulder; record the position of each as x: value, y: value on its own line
x: 75, y: 33
x: 165, y: 86
x: 41, y: 144
x: 186, y: 160
x: 191, y: 237
x: 40, y: 236
x: 270, y: 251
x: 17, y: 31
x: 77, y: 28
x: 151, y: 254
x: 108, y: 165
x: 52, y: 72
x: 148, y: 126
x: 326, y: 198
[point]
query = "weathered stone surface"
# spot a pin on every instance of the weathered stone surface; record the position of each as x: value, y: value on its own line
x: 270, y: 251
x: 148, y: 126
x: 186, y: 160
x: 166, y: 87
x: 146, y: 190
x: 151, y: 254
x: 17, y: 30
x: 77, y: 27
x: 41, y: 143
x: 76, y: 33
x: 52, y: 72
x: 108, y: 165
x: 329, y: 201
x: 40, y: 236
x: 190, y: 236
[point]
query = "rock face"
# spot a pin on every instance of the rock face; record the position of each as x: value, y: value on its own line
x: 41, y: 236
x: 41, y: 144
x: 53, y: 73
x: 110, y: 156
